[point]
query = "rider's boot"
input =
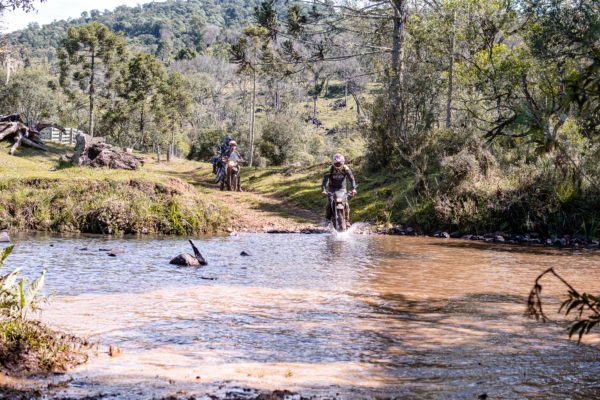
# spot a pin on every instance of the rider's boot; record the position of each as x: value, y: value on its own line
x: 328, y: 213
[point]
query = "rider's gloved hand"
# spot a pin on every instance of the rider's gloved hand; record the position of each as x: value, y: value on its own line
x: 324, y: 192
x: 353, y: 192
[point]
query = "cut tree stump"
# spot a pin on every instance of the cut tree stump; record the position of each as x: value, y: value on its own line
x: 93, y: 151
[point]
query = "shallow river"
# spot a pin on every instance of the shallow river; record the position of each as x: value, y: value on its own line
x: 344, y: 316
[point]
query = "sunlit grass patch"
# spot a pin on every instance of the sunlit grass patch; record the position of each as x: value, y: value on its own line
x: 37, y: 194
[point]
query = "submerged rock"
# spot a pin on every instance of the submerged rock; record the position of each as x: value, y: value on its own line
x: 185, y: 259
x: 4, y: 238
x: 188, y: 259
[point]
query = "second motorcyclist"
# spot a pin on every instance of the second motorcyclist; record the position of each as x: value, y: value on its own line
x: 231, y: 155
x: 336, y: 176
x: 222, y: 149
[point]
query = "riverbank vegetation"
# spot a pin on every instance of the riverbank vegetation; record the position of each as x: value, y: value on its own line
x: 468, y: 116
x: 480, y: 202
x: 37, y: 194
x: 27, y: 346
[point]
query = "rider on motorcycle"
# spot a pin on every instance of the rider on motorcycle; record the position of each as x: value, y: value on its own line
x: 232, y: 153
x: 222, y: 149
x: 336, y: 175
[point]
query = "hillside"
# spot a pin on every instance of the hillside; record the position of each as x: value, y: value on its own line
x: 144, y: 26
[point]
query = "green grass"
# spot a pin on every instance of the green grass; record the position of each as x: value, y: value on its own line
x: 37, y: 194
x: 377, y: 193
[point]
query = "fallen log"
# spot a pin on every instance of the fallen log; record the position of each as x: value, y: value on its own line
x: 13, y: 128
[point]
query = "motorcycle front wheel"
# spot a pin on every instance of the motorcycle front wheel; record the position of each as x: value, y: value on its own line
x: 236, y: 182
x: 340, y: 221
x: 219, y: 175
x: 229, y: 181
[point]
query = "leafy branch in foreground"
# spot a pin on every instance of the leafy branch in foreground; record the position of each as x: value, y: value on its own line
x: 579, y: 302
x: 15, y: 300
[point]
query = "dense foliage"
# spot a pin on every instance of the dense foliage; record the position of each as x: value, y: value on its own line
x: 487, y: 110
x: 152, y: 27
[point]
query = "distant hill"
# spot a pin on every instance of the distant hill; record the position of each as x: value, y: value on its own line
x: 144, y: 26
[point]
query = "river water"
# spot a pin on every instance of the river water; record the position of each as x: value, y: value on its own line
x: 345, y: 316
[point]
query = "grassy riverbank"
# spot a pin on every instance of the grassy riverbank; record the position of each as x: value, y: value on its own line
x: 37, y: 194
x: 301, y: 186
x: 26, y: 346
x: 471, y: 202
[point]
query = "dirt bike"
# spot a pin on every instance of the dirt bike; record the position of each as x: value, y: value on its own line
x: 338, y: 201
x: 229, y: 174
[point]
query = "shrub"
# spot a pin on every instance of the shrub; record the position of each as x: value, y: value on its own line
x: 282, y: 138
x: 205, y: 145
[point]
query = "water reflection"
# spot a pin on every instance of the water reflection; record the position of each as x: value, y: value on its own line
x: 322, y: 314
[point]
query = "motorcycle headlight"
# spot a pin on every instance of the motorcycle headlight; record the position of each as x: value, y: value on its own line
x: 232, y: 163
x: 338, y: 200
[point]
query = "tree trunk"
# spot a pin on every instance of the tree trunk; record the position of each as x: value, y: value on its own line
x: 158, y: 154
x: 172, y: 149
x: 8, y: 68
x: 346, y: 94
x: 397, y: 77
x: 253, y: 116
x: 451, y: 74
x: 327, y: 87
x: 314, y: 108
x: 398, y: 45
x: 357, y: 103
x: 142, y: 128
x: 91, y: 126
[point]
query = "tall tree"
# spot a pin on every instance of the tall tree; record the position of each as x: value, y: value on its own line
x: 247, y: 54
x: 140, y: 85
x: 94, y: 52
x: 174, y: 105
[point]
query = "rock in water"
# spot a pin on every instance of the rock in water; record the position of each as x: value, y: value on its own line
x: 188, y: 259
x: 4, y: 237
x: 197, y: 254
x: 185, y: 259
x: 245, y: 254
x: 114, y: 253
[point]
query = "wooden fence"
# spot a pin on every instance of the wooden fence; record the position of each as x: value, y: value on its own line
x: 56, y: 135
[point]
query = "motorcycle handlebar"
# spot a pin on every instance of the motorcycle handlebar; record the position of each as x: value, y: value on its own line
x: 329, y: 194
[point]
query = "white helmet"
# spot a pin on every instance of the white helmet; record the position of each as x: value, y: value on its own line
x: 338, y: 160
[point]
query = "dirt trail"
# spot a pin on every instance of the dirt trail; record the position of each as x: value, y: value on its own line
x: 259, y: 213
x: 254, y: 212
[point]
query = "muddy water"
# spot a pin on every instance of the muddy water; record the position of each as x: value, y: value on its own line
x: 345, y: 316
